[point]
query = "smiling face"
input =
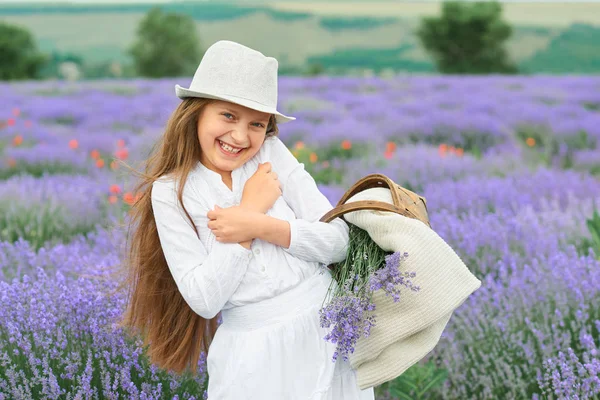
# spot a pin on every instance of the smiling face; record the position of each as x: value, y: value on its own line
x: 230, y: 135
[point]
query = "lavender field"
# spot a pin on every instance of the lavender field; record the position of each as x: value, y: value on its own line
x: 510, y: 168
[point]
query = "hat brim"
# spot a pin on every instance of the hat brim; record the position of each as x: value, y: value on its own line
x: 183, y: 93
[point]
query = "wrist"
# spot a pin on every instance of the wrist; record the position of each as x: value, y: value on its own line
x: 254, y: 221
x: 259, y: 221
x: 251, y: 208
x: 273, y: 230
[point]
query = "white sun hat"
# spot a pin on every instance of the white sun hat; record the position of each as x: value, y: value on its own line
x: 230, y: 71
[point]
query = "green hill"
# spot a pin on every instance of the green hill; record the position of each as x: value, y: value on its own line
x: 101, y: 34
x: 574, y: 50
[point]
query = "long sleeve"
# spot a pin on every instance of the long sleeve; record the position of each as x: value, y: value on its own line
x: 206, y: 280
x: 310, y: 239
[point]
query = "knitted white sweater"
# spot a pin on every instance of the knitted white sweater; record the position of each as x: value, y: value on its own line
x: 409, y: 329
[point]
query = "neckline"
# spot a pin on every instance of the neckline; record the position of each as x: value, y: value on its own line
x: 217, y: 179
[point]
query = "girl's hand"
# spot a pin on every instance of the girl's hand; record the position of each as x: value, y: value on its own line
x: 233, y: 224
x: 261, y: 190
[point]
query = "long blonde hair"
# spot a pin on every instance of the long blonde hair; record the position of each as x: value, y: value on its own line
x: 174, y: 333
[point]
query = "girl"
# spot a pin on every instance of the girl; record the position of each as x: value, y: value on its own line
x: 229, y: 225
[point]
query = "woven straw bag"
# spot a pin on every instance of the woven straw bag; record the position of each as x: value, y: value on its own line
x: 405, y: 331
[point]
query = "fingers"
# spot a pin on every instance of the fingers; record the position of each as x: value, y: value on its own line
x: 213, y: 214
x: 266, y: 166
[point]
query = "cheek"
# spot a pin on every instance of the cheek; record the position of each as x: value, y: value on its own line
x: 207, y: 137
x: 256, y: 145
x: 211, y: 130
x: 205, y: 141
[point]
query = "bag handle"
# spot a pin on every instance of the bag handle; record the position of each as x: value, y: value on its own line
x: 342, y: 209
x: 368, y: 182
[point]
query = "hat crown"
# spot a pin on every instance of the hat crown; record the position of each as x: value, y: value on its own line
x: 234, y: 70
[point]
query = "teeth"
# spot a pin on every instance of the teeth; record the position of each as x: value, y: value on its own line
x: 228, y: 148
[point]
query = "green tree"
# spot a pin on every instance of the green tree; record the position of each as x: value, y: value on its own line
x: 468, y: 38
x: 167, y: 45
x: 19, y: 56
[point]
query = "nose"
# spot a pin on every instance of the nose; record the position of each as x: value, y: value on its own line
x: 239, y: 136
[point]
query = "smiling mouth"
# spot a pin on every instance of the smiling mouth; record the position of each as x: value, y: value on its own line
x: 229, y: 149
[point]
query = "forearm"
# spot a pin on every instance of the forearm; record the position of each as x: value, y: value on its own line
x: 273, y: 230
x: 267, y: 228
x: 208, y: 285
x: 310, y: 241
x: 250, y: 208
x: 323, y: 242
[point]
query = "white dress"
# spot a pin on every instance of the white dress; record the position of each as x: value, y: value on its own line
x: 270, y: 345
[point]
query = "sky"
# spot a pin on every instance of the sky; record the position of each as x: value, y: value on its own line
x: 87, y: 1
x: 243, y: 1
x: 84, y: 1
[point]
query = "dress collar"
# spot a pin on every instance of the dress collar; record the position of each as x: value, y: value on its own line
x: 215, y: 179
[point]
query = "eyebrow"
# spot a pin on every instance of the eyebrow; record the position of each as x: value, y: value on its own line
x: 262, y: 119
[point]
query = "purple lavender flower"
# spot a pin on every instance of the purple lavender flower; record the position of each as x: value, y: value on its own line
x: 350, y: 316
x: 56, y: 327
x: 531, y: 331
x: 389, y: 278
x: 566, y: 377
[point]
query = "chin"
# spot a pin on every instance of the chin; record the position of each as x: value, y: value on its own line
x: 226, y: 166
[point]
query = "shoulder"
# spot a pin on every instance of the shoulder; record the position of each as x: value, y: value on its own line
x: 274, y: 143
x: 165, y: 188
x: 165, y: 183
x: 274, y: 148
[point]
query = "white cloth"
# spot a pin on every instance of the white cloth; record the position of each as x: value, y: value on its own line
x: 214, y: 276
x: 408, y: 330
x: 274, y: 350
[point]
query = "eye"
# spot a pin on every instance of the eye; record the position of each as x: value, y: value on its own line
x: 228, y: 115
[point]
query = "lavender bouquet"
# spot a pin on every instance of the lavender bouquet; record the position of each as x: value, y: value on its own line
x: 367, y: 268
